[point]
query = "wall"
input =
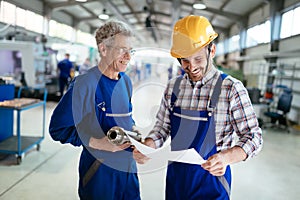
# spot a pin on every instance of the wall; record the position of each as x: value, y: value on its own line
x: 256, y: 67
x: 62, y: 18
x: 260, y: 15
x: 290, y: 61
x: 288, y: 3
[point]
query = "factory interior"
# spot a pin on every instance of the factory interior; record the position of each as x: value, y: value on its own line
x: 258, y: 43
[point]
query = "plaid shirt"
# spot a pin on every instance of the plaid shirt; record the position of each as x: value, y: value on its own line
x: 236, y: 122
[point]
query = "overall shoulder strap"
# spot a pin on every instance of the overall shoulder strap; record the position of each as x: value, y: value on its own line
x: 175, y: 91
x: 128, y: 86
x: 217, y: 91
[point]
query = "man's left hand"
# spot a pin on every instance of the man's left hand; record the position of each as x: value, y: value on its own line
x: 216, y: 164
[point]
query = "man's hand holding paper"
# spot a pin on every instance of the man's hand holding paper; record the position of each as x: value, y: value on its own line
x: 143, y: 152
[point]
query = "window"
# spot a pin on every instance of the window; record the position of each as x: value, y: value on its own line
x: 86, y: 39
x: 220, y: 48
x: 289, y: 25
x: 21, y: 19
x: 7, y: 13
x: 34, y: 22
x: 234, y: 43
x: 296, y: 27
x: 60, y: 30
x: 16, y: 16
x: 258, y: 34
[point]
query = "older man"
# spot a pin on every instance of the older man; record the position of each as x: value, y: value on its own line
x: 95, y: 102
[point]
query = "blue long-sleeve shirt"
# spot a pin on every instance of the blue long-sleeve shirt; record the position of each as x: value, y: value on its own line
x: 80, y: 108
x: 65, y: 67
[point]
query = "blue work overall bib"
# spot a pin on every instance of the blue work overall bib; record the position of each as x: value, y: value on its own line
x: 115, y: 176
x: 195, y: 129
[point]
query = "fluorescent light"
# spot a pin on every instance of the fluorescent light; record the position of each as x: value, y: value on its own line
x: 81, y: 0
x: 199, y: 6
x: 103, y: 16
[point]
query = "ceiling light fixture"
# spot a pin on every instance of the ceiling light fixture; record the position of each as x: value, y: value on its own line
x: 199, y: 5
x: 104, y: 16
x: 81, y: 0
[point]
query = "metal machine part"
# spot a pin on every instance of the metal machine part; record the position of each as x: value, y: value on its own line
x: 117, y: 135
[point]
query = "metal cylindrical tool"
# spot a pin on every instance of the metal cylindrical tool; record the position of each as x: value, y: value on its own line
x: 117, y: 135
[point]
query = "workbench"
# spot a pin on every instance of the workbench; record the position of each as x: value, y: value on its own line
x: 20, y: 143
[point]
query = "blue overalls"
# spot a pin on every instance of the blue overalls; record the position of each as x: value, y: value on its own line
x: 195, y: 129
x: 98, y: 103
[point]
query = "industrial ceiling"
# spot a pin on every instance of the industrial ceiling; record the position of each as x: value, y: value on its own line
x: 163, y: 14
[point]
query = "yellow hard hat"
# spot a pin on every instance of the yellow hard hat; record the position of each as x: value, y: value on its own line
x: 190, y: 34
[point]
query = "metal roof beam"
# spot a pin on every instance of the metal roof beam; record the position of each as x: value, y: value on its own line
x: 229, y: 15
x: 61, y: 5
x: 176, y: 5
x: 113, y: 8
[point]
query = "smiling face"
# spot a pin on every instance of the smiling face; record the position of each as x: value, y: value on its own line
x: 116, y: 55
x: 120, y: 53
x: 195, y: 65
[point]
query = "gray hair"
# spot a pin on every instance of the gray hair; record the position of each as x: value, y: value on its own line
x: 107, y: 31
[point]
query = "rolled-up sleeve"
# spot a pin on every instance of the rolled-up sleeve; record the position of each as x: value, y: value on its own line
x: 244, y: 121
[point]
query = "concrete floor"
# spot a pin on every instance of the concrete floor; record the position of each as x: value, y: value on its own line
x: 51, y: 173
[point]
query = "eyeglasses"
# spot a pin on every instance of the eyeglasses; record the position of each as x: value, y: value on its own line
x: 124, y: 50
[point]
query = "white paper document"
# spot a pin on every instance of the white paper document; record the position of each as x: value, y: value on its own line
x: 190, y: 156
x: 141, y: 147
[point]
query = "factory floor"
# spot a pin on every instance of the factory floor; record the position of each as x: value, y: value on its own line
x: 51, y: 172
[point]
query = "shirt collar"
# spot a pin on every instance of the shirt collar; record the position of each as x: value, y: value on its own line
x: 210, y: 75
